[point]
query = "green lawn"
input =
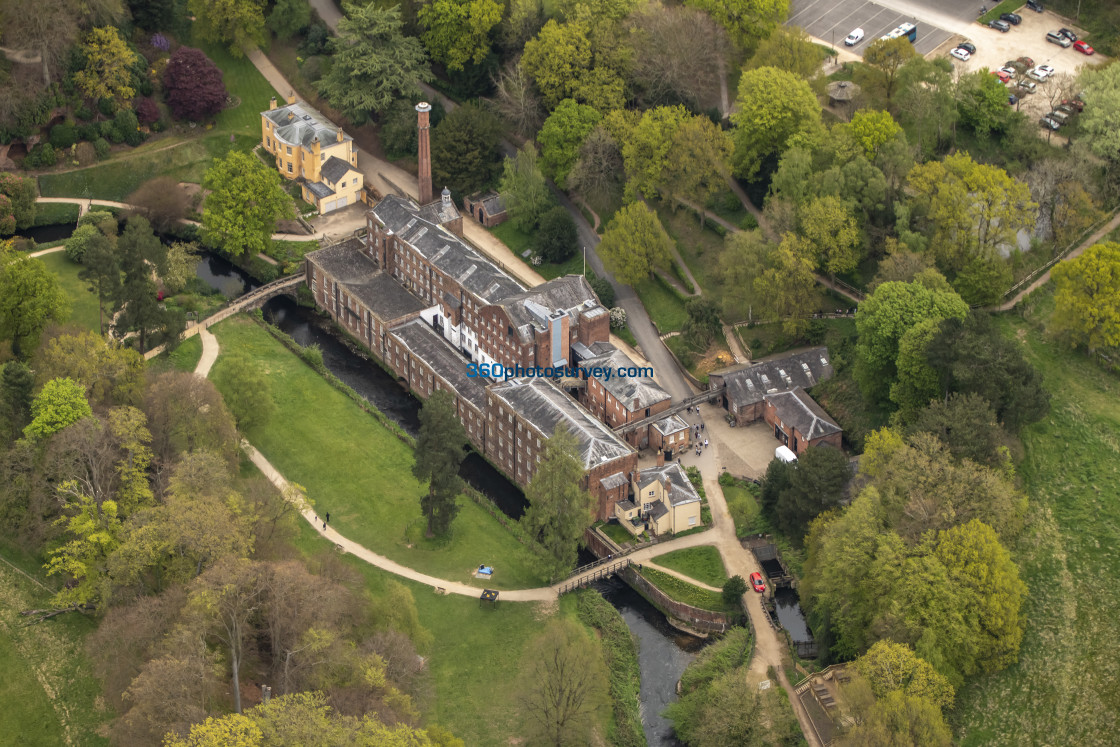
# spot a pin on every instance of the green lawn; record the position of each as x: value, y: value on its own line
x: 700, y: 248
x: 248, y: 87
x: 476, y: 657
x: 700, y: 563
x: 742, y: 504
x: 185, y: 357
x: 49, y: 693
x: 682, y: 591
x: 768, y: 339
x: 1063, y: 689
x: 617, y: 532
x: 115, y: 180
x: 359, y: 472
x: 520, y: 242
x: 51, y: 213
x: 83, y: 304
x: 664, y: 307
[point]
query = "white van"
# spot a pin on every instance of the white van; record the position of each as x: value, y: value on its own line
x: 854, y: 38
x: 785, y: 454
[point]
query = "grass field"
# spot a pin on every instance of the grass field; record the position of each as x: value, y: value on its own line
x: 248, y: 86
x: 700, y: 248
x: 1063, y: 690
x: 519, y: 242
x: 682, y: 591
x: 476, y: 656
x: 185, y: 357
x: 359, y: 472
x: 51, y: 213
x: 83, y: 304
x: 701, y: 563
x: 49, y: 694
x: 664, y: 307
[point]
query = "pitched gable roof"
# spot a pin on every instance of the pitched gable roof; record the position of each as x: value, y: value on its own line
x: 798, y: 410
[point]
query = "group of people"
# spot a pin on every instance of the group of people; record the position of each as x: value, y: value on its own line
x: 697, y: 430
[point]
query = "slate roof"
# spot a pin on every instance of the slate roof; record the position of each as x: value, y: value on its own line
x: 349, y: 267
x: 797, y: 409
x: 681, y: 490
x: 543, y: 405
x: 617, y: 480
x: 670, y: 425
x: 492, y: 202
x: 531, y: 309
x: 749, y: 384
x: 334, y: 169
x: 423, y: 342
x: 658, y: 511
x: 440, y: 211
x: 305, y: 125
x: 444, y: 250
x: 626, y: 389
x: 319, y: 189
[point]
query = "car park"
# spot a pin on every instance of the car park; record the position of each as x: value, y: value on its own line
x: 757, y: 583
x: 1027, y: 86
x: 1059, y: 117
x: 968, y: 47
x: 1076, y: 104
x: 960, y: 54
x: 1002, y: 26
x: 1083, y: 48
x: 1035, y: 6
x: 1003, y: 77
x: 1056, y: 38
x: 854, y: 38
x: 1013, y: 18
x: 1068, y: 34
x: 1049, y: 123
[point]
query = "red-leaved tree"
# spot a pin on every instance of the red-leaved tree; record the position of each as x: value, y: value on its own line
x: 146, y: 110
x: 192, y: 85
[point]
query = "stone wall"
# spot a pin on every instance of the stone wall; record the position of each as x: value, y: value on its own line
x: 704, y: 621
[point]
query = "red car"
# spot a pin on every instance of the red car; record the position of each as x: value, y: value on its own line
x: 1003, y: 76
x: 1082, y: 47
x: 757, y: 582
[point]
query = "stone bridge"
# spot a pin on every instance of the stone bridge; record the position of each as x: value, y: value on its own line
x: 706, y: 396
x: 252, y: 300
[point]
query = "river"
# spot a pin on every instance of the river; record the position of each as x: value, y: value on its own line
x: 664, y: 651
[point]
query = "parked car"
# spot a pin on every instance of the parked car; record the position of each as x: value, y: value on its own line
x: 757, y: 583
x: 1069, y: 111
x: 1017, y: 66
x: 854, y: 38
x: 1004, y: 77
x: 1068, y: 34
x: 1013, y: 18
x: 968, y: 47
x: 1003, y: 26
x: 1083, y: 48
x: 1056, y: 38
x: 960, y: 54
x: 1046, y: 70
x: 1027, y: 61
x: 1049, y: 123
x: 1037, y: 74
x: 1076, y: 104
x: 1059, y: 117
x: 1027, y: 86
x: 1035, y: 6
x: 1012, y: 100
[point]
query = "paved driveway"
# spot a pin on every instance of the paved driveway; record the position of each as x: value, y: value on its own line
x: 831, y: 21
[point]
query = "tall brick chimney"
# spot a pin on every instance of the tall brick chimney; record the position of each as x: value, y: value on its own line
x: 425, y: 155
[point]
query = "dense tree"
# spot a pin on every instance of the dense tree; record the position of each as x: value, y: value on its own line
x: 192, y: 85
x: 439, y: 452
x: 246, y: 390
x: 788, y: 48
x: 466, y: 156
x: 110, y: 373
x: 883, y: 58
x: 457, y: 32
x: 774, y: 108
x: 982, y: 103
x: 237, y: 23
x: 17, y: 202
x: 16, y: 385
x: 598, y: 169
x: 186, y: 413
x: 925, y: 101
x: 890, y: 667
x: 288, y: 17
x: 918, y: 382
x: 873, y: 129
x: 901, y: 719
x: 373, y: 62
x: 967, y: 425
x: 698, y: 168
x: 94, y: 533
x: 647, y: 147
x: 516, y: 100
x: 679, y: 53
x: 884, y: 318
x: 815, y: 486
x: 47, y: 26
x: 1101, y: 120
x: 734, y: 589
x: 524, y: 189
x: 102, y: 271
x: 703, y: 324
x: 973, y: 356
x: 634, y: 243
x: 560, y: 509
x: 786, y: 288
x: 580, y: 59
x: 30, y: 297
x: 564, y: 685
x: 179, y: 266
x: 746, y: 21
x: 162, y: 201
x: 1087, y: 298
x: 58, y: 404
x: 139, y: 251
x: 245, y: 202
x: 557, y: 238
x: 108, y: 70
x: 398, y: 129
x: 832, y: 231
x: 561, y: 135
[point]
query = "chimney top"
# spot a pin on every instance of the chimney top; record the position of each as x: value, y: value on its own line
x: 291, y: 97
x: 291, y: 116
x: 272, y: 103
x: 660, y: 457
x: 446, y: 194
x: 423, y: 106
x: 341, y: 134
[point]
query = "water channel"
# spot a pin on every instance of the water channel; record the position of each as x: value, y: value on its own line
x: 664, y: 652
x: 46, y: 234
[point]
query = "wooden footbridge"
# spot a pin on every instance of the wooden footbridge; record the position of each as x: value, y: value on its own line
x: 705, y: 396
x: 588, y: 574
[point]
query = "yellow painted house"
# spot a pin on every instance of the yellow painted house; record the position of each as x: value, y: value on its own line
x: 312, y: 150
x: 665, y: 502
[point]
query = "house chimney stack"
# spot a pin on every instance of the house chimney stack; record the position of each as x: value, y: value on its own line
x: 272, y: 103
x: 424, y: 157
x: 660, y: 457
x: 291, y: 97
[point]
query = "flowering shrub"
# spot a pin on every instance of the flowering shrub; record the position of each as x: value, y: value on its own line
x: 161, y: 42
x: 618, y: 317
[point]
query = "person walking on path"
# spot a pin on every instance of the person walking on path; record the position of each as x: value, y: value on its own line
x: 328, y: 516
